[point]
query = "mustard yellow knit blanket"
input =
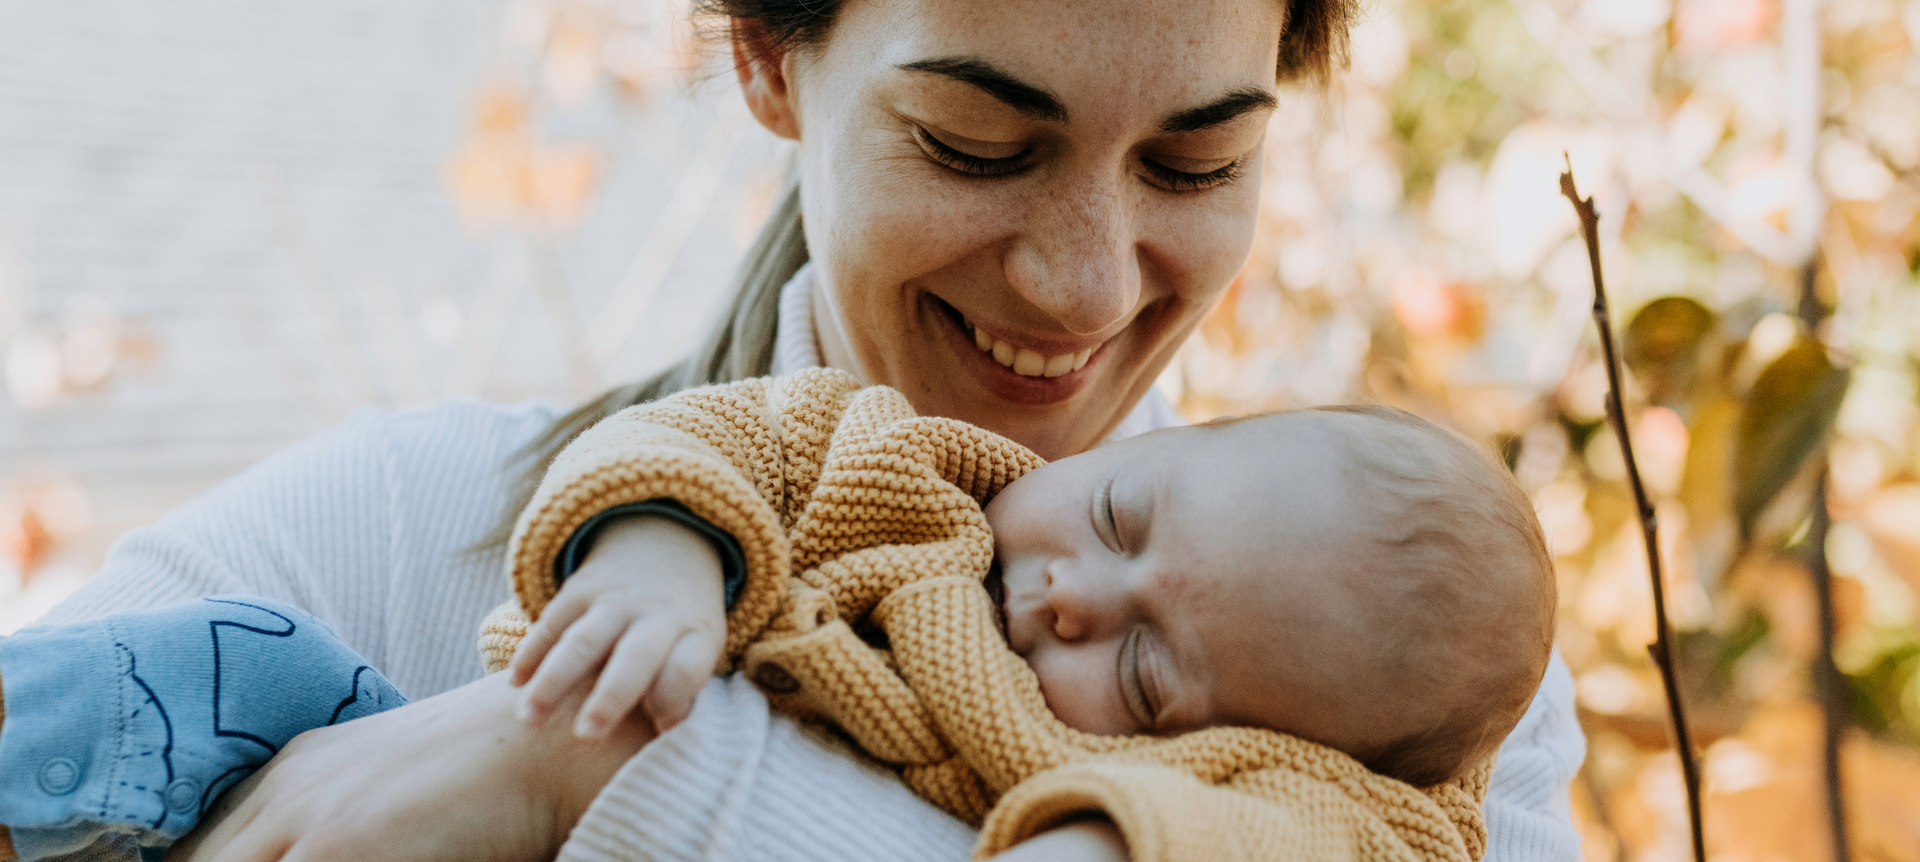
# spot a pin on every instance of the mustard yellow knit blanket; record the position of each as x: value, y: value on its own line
x: 855, y: 515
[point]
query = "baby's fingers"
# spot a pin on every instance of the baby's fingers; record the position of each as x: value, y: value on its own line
x: 541, y: 636
x: 629, y: 674
x: 686, y: 672
x: 582, y: 648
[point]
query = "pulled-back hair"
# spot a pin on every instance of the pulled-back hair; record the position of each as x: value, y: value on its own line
x: 1312, y: 45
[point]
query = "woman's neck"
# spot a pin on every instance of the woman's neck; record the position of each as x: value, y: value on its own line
x: 829, y: 340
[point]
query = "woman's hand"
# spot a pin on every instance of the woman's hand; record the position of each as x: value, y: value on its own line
x: 1079, y: 841
x: 455, y: 776
x: 646, y: 610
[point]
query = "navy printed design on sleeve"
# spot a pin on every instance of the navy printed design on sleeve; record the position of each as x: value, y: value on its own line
x: 144, y: 718
x: 147, y: 722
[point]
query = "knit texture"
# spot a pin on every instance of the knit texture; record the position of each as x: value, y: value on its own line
x: 857, y: 515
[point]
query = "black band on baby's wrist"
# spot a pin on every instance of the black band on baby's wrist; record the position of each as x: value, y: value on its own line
x: 733, y: 560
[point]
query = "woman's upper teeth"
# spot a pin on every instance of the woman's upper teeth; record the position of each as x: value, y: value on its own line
x: 1027, y: 362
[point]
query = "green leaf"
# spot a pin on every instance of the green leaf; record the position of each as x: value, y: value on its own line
x: 1661, y: 345
x: 1785, y: 418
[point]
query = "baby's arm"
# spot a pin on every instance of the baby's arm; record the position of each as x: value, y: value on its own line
x: 133, y: 724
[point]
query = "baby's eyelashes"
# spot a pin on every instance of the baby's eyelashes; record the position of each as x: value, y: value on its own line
x: 1104, y: 524
x: 1133, y: 689
x: 1149, y: 682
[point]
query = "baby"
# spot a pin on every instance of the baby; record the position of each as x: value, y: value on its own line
x: 1353, y: 576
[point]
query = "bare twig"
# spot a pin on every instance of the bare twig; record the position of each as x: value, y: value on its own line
x: 1662, y: 647
x: 1828, y: 684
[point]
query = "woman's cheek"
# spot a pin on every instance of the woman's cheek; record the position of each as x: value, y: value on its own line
x: 1199, y: 242
x: 923, y: 218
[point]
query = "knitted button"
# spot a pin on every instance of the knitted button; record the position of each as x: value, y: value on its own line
x: 775, y: 678
x: 182, y: 796
x: 59, y: 776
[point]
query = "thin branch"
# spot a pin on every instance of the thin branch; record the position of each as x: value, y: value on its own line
x: 1829, y: 687
x: 1662, y: 647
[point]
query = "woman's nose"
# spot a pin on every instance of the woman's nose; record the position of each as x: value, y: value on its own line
x: 1084, y: 604
x: 1075, y: 258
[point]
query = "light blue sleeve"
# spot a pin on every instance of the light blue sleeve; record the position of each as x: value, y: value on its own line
x: 135, y: 723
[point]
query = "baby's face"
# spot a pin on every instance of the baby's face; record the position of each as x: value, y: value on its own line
x: 1197, y: 577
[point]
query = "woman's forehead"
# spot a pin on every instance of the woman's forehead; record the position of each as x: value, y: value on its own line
x: 1152, y: 54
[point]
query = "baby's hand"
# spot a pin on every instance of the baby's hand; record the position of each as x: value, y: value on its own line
x: 646, y: 610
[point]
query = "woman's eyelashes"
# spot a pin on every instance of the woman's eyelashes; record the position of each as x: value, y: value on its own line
x: 984, y: 166
x: 968, y: 163
x: 1182, y: 181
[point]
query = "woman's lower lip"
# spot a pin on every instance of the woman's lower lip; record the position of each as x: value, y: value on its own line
x: 999, y: 379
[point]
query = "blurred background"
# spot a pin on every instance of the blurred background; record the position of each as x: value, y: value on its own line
x: 223, y: 226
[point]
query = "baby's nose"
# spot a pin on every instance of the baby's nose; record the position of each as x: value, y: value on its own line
x: 1083, y: 603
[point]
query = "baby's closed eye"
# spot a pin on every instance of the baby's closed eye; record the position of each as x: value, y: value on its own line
x: 1147, y: 678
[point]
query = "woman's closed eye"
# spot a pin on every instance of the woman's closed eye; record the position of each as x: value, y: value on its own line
x: 986, y: 164
x: 971, y: 157
x: 1185, y: 181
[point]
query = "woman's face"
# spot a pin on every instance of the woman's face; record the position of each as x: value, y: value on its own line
x: 1019, y: 209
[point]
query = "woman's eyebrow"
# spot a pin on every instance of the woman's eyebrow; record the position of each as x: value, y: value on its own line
x: 1017, y: 94
x: 1221, y: 110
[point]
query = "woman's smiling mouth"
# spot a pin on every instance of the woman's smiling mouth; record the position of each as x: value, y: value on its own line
x: 1020, y: 374
x: 1024, y: 361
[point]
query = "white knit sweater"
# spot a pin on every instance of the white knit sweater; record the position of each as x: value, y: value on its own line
x: 368, y: 528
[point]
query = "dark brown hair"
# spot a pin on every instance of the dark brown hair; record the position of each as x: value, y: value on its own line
x: 1312, y: 46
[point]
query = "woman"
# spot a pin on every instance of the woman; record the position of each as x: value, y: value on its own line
x: 1015, y: 212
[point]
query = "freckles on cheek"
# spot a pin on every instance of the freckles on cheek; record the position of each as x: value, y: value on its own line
x: 935, y: 220
x: 1201, y: 246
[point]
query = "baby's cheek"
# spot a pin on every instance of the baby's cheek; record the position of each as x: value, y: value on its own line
x: 1078, y: 695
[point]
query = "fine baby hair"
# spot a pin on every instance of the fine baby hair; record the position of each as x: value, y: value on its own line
x: 1458, y: 586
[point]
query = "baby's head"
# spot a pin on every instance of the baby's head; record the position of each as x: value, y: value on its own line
x: 1355, y: 576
